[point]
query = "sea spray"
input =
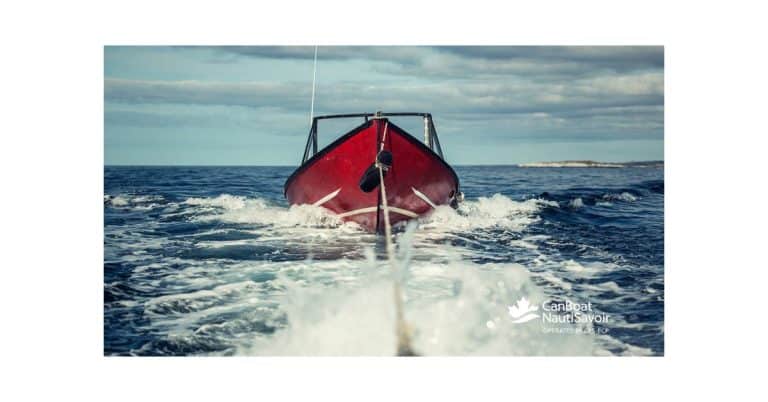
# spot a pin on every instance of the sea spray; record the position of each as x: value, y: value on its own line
x: 228, y: 271
x: 448, y: 306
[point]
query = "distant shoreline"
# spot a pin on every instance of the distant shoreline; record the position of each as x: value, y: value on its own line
x: 591, y: 164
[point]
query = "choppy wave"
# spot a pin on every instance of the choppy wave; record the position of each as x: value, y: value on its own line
x: 138, y: 202
x: 485, y: 212
x: 228, y: 273
x: 238, y: 209
x: 625, y: 196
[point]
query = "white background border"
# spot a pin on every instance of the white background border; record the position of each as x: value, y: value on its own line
x: 52, y: 176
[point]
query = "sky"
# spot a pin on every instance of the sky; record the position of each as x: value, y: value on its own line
x: 240, y: 105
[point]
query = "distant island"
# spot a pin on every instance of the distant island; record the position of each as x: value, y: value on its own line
x: 593, y: 164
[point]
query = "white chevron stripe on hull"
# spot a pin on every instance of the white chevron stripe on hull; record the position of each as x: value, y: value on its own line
x: 326, y: 198
x: 404, y: 212
x: 357, y: 212
x: 424, y: 198
x: 400, y: 211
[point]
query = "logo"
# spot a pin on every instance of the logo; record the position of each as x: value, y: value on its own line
x: 561, y: 316
x: 523, y: 311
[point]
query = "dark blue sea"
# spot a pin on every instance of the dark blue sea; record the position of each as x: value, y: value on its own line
x: 212, y: 261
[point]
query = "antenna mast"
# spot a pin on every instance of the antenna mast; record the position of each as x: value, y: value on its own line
x: 314, y: 78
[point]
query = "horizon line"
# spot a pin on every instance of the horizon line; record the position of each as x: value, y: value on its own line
x: 470, y: 164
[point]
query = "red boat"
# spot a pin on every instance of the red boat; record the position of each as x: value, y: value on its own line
x: 344, y: 176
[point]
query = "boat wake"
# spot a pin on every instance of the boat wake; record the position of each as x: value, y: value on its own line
x: 238, y: 209
x: 197, y: 262
x: 243, y: 275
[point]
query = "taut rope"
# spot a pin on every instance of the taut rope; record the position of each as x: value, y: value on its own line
x: 401, y: 327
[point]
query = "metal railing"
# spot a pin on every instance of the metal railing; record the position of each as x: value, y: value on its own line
x: 430, y: 133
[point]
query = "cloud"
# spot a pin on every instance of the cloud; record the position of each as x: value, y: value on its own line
x: 461, y: 97
x: 619, y: 58
x: 399, y: 54
x: 253, y: 94
x: 266, y: 120
x: 508, y: 96
x: 535, y: 62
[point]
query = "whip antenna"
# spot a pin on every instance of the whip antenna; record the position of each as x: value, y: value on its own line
x: 314, y: 79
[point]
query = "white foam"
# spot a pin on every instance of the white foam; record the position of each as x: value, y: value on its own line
x: 576, y: 203
x: 555, y: 280
x: 196, y: 300
x: 228, y: 202
x: 239, y: 209
x: 523, y: 244
x: 146, y: 198
x: 587, y: 268
x: 573, y: 266
x: 344, y: 305
x: 495, y: 211
x: 625, y: 196
x: 139, y: 202
x: 118, y: 201
x: 485, y: 212
x: 458, y: 308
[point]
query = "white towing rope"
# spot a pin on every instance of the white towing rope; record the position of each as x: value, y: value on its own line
x: 402, y: 330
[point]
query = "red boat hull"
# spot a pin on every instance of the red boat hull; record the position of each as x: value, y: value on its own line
x: 417, y: 181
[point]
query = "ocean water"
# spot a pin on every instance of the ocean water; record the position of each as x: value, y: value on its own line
x: 212, y: 261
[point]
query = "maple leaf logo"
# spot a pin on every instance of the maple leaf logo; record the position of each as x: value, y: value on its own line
x: 522, y: 311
